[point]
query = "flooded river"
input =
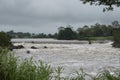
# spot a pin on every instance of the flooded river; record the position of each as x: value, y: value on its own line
x: 92, y: 58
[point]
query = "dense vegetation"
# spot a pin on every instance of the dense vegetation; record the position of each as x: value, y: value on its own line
x: 67, y: 33
x: 96, y: 30
x: 11, y: 68
x: 93, y: 32
x: 116, y: 38
x: 109, y: 4
x: 29, y: 35
x: 5, y: 40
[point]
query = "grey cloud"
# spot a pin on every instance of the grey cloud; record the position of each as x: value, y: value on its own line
x: 43, y: 14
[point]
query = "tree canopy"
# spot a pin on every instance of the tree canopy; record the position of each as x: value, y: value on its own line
x: 116, y: 34
x: 66, y: 33
x: 108, y: 3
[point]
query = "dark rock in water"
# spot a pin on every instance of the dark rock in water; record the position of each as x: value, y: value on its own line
x: 116, y: 45
x: 89, y: 42
x: 33, y: 47
x: 20, y: 46
x: 28, y: 52
x: 45, y: 47
x: 32, y: 42
x: 17, y: 47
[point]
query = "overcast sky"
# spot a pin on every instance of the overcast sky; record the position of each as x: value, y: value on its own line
x: 37, y: 16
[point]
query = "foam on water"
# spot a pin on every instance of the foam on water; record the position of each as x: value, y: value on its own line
x: 92, y: 58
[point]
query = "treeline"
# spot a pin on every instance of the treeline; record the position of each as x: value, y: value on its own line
x: 96, y: 31
x: 29, y: 35
x: 85, y: 32
x: 93, y: 32
x: 67, y: 33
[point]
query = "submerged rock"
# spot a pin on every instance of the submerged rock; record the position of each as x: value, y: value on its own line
x: 45, y: 47
x: 33, y: 47
x: 28, y: 52
x: 32, y: 42
x: 89, y: 42
x: 17, y: 47
x: 116, y: 45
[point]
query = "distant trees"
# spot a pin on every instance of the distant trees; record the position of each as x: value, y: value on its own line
x: 85, y: 32
x: 116, y: 34
x: 66, y: 33
x: 96, y: 30
x: 89, y: 32
x: 115, y: 24
x: 116, y: 38
x: 19, y: 34
x: 5, y: 40
x: 29, y: 35
x: 82, y: 33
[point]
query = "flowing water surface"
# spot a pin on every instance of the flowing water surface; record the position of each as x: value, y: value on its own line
x: 92, y: 58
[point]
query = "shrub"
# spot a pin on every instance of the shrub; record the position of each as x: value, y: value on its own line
x: 106, y: 75
x: 116, y: 38
x: 26, y: 70
x: 5, y: 40
x: 66, y: 34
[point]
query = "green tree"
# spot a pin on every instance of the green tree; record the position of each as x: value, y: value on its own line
x: 66, y: 33
x: 108, y: 3
x: 116, y: 34
x: 97, y: 30
x: 84, y: 33
x: 5, y: 40
x: 116, y: 38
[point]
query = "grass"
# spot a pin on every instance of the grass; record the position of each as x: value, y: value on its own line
x: 106, y: 75
x: 96, y: 38
x: 28, y: 70
x: 101, y: 38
